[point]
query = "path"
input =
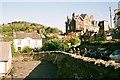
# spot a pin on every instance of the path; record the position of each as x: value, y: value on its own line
x: 35, y: 69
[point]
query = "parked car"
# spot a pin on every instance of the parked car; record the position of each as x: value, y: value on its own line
x: 115, y: 56
x: 103, y: 53
x: 91, y: 53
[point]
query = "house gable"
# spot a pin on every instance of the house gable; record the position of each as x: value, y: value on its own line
x: 22, y: 40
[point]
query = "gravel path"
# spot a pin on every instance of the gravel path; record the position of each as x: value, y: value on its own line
x: 34, y: 69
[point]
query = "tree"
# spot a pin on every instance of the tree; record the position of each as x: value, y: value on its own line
x: 55, y: 45
x: 102, y: 35
x: 74, y: 40
x: 55, y: 30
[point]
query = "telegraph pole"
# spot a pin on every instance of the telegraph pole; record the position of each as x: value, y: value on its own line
x: 110, y: 17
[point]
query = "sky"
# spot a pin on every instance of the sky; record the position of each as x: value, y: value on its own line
x: 53, y: 13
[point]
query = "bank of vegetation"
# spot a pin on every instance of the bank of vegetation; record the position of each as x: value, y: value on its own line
x: 7, y: 29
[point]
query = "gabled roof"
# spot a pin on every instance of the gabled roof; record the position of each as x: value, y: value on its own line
x: 22, y: 35
x: 80, y: 18
x: 5, y: 48
x: 83, y: 15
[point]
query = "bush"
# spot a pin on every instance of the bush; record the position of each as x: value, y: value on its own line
x: 74, y: 40
x: 55, y: 45
x: 27, y: 49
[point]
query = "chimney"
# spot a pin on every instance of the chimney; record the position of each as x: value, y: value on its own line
x: 73, y: 15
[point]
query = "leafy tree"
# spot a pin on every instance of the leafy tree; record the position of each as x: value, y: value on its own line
x: 14, y: 54
x: 74, y: 40
x: 55, y: 45
x: 55, y: 30
x: 48, y: 30
x: 102, y: 35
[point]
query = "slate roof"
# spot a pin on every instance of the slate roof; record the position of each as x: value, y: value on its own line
x: 5, y: 48
x: 83, y: 15
x: 22, y: 35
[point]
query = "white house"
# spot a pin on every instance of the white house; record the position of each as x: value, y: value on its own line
x: 5, y: 58
x: 22, y: 39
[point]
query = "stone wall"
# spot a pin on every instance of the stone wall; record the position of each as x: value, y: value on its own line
x: 79, y: 67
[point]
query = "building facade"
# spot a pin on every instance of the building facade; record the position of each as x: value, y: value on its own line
x: 22, y: 39
x: 104, y: 25
x: 81, y: 24
x: 117, y: 23
x: 117, y: 18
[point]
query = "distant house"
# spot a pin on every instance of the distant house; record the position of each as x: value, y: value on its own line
x: 104, y: 25
x: 117, y: 23
x: 117, y: 18
x: 81, y: 24
x: 22, y: 39
x: 104, y: 28
x: 5, y: 58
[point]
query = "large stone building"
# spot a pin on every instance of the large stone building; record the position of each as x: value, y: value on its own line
x: 117, y: 23
x: 81, y: 24
x: 104, y: 25
x: 117, y: 18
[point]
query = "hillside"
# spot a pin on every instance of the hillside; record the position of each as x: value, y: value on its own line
x: 16, y: 26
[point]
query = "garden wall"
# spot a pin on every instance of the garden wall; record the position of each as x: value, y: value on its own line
x: 79, y: 67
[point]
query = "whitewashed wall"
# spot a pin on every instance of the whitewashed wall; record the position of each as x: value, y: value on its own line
x: 2, y: 68
x: 24, y: 42
x: 6, y: 65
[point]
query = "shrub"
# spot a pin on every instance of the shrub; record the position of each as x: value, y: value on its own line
x: 27, y: 49
x: 74, y: 40
x: 55, y: 45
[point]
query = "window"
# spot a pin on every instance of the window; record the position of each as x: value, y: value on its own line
x: 36, y: 42
x: 19, y: 42
x: 28, y: 42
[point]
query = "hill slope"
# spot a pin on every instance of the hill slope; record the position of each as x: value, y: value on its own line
x: 16, y: 26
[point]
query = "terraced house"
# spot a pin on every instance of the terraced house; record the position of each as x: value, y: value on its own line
x: 117, y: 23
x: 81, y: 24
x: 22, y: 39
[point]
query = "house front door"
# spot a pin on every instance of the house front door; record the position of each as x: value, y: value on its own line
x: 19, y: 48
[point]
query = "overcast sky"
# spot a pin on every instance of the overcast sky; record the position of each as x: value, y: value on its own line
x: 53, y: 13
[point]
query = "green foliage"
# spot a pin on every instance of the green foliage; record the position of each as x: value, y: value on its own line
x: 26, y: 27
x: 12, y: 46
x: 55, y: 45
x: 52, y: 30
x: 101, y: 35
x: 74, y: 40
x: 14, y: 54
x: 27, y: 49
